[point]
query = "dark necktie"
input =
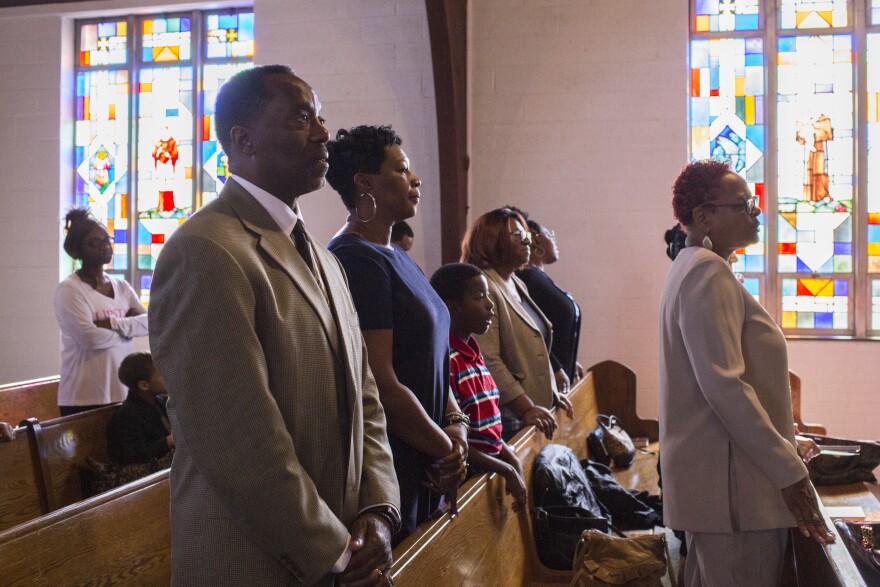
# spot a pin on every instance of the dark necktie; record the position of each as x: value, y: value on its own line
x: 305, y: 251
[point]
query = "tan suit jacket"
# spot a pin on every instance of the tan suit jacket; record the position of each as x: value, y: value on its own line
x: 280, y: 435
x: 515, y: 352
x: 726, y: 430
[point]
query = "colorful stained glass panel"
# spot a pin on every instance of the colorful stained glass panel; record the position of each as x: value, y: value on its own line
x: 103, y: 43
x: 727, y: 116
x: 165, y: 157
x: 815, y: 154
x: 812, y: 14
x: 815, y: 303
x: 873, y: 120
x: 230, y: 35
x: 101, y: 153
x: 712, y: 16
x: 214, y: 165
x: 166, y: 39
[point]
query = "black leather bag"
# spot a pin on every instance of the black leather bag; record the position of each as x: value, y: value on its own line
x: 862, y: 539
x: 843, y: 470
x: 558, y: 530
x: 609, y: 442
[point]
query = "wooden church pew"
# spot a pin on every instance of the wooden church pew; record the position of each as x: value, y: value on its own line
x: 60, y: 445
x: 795, y: 383
x: 122, y: 537
x: 29, y: 399
x: 19, y: 487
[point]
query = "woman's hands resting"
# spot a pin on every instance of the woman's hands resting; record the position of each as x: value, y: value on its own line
x: 446, y: 474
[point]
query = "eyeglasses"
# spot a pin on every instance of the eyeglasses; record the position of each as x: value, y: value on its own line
x: 748, y: 205
x: 522, y: 236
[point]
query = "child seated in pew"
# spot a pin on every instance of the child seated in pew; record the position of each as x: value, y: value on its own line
x: 464, y: 290
x: 139, y: 430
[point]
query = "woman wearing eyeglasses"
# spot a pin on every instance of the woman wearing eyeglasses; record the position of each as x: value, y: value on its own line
x: 556, y: 303
x: 516, y: 346
x: 732, y: 477
x: 98, y: 315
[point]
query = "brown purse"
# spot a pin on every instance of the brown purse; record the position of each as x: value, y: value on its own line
x: 640, y: 561
x: 609, y: 442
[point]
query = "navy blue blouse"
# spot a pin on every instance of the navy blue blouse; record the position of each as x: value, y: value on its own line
x: 391, y: 292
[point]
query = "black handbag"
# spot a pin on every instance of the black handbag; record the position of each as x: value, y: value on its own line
x: 843, y: 470
x: 862, y: 539
x: 558, y: 530
x: 609, y: 442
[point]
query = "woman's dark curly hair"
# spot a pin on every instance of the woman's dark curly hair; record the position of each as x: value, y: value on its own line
x: 695, y: 185
x: 78, y: 224
x: 360, y: 149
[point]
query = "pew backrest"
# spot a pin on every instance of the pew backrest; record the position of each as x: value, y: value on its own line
x: 121, y: 537
x: 795, y: 383
x: 61, y: 445
x: 615, y: 386
x: 37, y: 398
x: 19, y: 487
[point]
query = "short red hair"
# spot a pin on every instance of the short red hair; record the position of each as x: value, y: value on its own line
x: 695, y: 185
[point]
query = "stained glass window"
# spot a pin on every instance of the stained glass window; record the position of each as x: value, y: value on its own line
x: 812, y: 14
x: 873, y: 124
x: 815, y: 303
x: 820, y: 274
x: 165, y: 98
x: 230, y: 35
x: 101, y: 153
x: 727, y: 117
x: 726, y: 15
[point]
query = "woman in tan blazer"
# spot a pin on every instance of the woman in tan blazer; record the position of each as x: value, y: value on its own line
x: 732, y: 478
x: 515, y: 347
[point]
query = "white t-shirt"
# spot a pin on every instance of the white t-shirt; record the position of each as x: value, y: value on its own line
x: 90, y: 356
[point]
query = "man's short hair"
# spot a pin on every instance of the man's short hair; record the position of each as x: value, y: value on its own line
x: 449, y: 281
x: 242, y: 98
x: 400, y: 230
x: 136, y: 367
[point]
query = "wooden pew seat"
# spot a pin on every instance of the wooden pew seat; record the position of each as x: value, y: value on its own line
x: 19, y: 487
x: 29, y: 399
x: 121, y: 537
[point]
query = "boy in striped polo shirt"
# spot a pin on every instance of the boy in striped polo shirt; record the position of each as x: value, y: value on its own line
x: 464, y: 290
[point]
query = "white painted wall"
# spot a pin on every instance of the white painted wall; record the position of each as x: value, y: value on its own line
x: 579, y: 116
x: 369, y: 61
x: 578, y: 112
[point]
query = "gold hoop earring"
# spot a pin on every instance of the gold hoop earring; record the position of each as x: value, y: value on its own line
x: 539, y: 252
x: 357, y: 207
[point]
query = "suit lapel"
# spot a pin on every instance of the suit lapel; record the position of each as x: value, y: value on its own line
x: 278, y: 245
x: 512, y: 302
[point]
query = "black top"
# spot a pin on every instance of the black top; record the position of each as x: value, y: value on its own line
x: 391, y: 292
x: 562, y: 311
x: 136, y: 432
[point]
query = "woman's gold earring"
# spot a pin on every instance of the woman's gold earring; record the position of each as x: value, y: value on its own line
x: 707, y: 243
x: 539, y: 252
x: 357, y: 208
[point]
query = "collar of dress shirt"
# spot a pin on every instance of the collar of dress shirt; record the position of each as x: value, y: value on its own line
x: 280, y: 212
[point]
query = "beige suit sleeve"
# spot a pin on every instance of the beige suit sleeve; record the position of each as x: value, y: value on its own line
x: 206, y: 345
x: 711, y: 319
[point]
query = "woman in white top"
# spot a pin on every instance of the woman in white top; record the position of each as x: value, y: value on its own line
x: 98, y: 315
x: 732, y: 478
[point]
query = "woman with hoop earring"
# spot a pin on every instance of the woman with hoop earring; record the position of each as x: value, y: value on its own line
x: 405, y: 324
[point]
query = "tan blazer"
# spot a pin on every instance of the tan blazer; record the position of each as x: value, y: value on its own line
x: 514, y: 350
x: 727, y: 442
x: 280, y: 435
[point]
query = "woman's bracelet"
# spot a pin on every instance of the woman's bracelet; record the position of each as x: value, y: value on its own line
x: 456, y: 418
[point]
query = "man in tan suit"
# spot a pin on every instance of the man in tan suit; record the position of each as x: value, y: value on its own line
x: 282, y: 474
